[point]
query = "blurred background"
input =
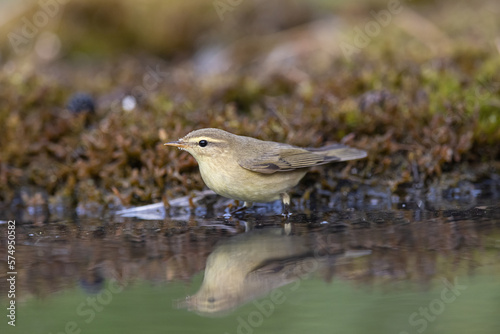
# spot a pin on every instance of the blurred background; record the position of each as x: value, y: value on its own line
x: 90, y: 90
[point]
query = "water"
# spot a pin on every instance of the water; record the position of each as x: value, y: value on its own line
x: 418, y: 265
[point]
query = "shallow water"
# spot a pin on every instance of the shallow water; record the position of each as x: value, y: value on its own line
x: 424, y: 262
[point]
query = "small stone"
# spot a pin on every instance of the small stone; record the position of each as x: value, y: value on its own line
x: 81, y: 102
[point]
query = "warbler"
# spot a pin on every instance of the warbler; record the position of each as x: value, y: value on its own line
x: 252, y: 170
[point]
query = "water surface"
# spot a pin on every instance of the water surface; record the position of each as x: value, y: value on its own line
x: 410, y: 266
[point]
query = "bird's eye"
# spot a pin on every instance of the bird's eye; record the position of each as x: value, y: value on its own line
x: 203, y: 143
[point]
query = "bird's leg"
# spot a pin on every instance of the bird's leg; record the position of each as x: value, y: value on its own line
x: 285, y: 198
x: 245, y: 206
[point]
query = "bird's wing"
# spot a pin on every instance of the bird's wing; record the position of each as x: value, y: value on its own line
x: 282, y: 159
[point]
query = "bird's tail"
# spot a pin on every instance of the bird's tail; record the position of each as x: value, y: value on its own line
x: 339, y: 152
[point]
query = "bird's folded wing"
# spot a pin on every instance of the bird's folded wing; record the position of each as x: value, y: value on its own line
x: 287, y: 159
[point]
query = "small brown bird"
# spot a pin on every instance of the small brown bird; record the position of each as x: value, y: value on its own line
x: 253, y: 170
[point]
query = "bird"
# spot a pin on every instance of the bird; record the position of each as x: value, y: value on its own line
x: 253, y: 170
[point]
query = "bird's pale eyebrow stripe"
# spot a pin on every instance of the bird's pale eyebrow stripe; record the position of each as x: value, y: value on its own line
x: 210, y: 140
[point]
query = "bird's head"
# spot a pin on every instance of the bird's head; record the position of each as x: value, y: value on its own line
x: 205, y: 143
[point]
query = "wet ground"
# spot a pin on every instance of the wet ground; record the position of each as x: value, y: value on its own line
x: 421, y: 261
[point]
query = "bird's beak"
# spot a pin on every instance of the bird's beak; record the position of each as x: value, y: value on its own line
x: 178, y: 144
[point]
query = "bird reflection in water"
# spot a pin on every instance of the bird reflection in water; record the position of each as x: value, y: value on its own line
x: 251, y: 265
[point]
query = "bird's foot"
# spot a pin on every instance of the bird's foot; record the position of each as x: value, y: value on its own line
x: 242, y: 209
x: 238, y: 210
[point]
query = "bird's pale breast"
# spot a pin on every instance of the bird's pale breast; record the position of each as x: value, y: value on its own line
x: 244, y: 185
